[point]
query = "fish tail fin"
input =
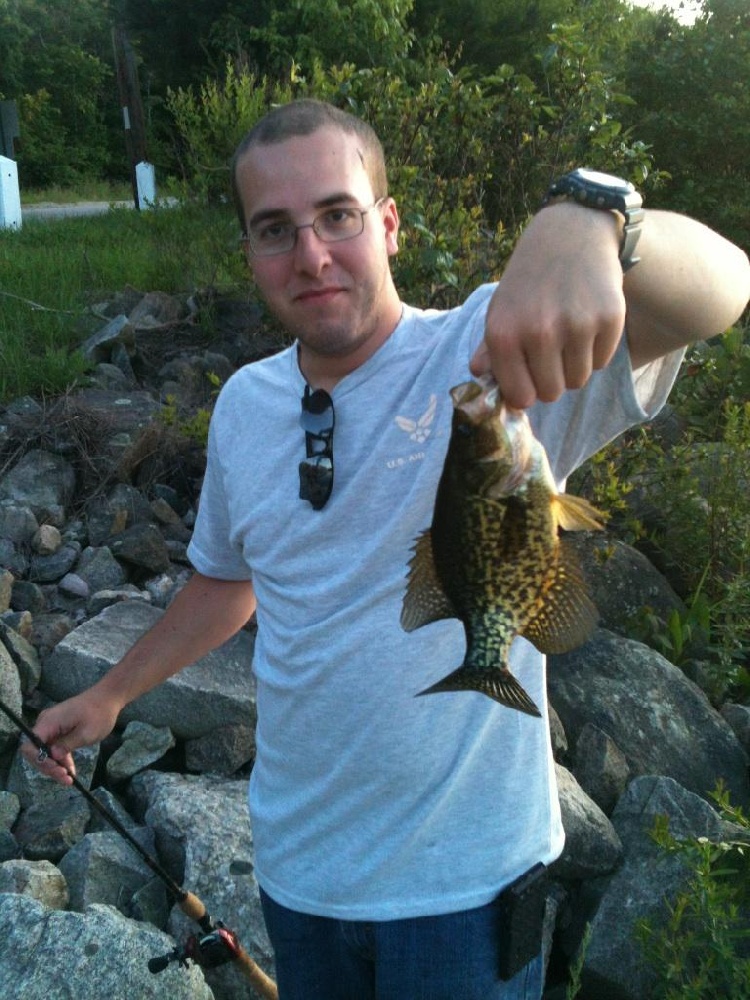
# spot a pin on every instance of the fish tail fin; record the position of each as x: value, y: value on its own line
x: 498, y: 684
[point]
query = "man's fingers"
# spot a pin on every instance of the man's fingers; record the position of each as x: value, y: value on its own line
x: 55, y: 761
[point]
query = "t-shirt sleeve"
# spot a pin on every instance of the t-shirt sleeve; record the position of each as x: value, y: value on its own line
x: 615, y: 398
x: 211, y: 549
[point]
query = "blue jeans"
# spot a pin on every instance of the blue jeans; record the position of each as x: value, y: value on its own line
x: 449, y: 957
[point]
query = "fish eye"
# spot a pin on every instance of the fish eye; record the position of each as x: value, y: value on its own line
x: 466, y: 429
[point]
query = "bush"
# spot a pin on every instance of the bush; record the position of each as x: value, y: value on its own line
x: 702, y: 950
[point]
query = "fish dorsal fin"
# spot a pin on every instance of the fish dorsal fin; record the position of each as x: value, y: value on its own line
x: 567, y: 616
x: 425, y: 600
x: 577, y: 514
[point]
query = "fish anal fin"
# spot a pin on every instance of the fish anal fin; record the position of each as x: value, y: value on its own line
x: 576, y: 514
x: 425, y: 600
x: 567, y: 615
x: 497, y: 683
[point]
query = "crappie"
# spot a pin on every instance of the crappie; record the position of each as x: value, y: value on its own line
x: 493, y: 556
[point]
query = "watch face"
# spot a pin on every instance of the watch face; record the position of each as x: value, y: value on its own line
x: 603, y: 180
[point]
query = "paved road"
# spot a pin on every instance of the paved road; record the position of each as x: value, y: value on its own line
x: 48, y: 210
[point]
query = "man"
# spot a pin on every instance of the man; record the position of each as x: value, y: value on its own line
x: 386, y: 826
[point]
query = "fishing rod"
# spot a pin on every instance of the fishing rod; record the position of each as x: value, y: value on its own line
x: 217, y: 945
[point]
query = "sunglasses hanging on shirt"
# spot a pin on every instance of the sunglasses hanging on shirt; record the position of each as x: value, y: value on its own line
x: 316, y: 471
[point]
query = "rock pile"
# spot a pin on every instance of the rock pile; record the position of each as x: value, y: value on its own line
x: 97, y: 500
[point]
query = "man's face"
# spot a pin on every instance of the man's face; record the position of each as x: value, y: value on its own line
x: 338, y: 299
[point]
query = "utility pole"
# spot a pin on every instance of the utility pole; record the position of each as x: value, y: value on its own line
x: 141, y: 171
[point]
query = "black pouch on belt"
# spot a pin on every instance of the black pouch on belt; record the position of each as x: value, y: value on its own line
x: 522, y: 906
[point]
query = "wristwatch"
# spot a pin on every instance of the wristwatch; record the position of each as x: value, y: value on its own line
x: 603, y: 191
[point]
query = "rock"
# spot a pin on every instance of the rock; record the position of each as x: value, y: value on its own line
x: 222, y: 751
x: 216, y: 691
x: 99, y: 345
x: 203, y: 829
x: 10, y: 693
x: 47, y: 830
x: 104, y: 598
x: 47, y: 540
x: 143, y: 546
x: 738, y: 717
x: 662, y: 722
x: 73, y: 585
x: 103, y: 868
x: 156, y: 309
x: 17, y: 522
x: 100, y: 955
x: 6, y: 589
x: 99, y: 569
x: 23, y: 654
x: 47, y: 569
x: 613, y: 965
x: 622, y: 581
x: 592, y: 847
x: 40, y: 880
x: 600, y: 767
x: 32, y: 787
x: 42, y: 481
x: 26, y: 596
x: 9, y: 809
x: 141, y: 745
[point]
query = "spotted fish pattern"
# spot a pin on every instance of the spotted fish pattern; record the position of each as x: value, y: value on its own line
x: 493, y: 556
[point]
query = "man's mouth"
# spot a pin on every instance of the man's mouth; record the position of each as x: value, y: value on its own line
x: 318, y: 294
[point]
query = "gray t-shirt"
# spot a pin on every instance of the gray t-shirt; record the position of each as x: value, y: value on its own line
x: 368, y: 803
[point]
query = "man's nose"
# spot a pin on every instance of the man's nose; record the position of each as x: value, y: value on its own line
x: 311, y: 253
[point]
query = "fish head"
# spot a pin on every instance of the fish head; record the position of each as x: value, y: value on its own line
x: 492, y: 441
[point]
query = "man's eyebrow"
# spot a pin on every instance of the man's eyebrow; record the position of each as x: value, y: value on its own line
x: 339, y: 198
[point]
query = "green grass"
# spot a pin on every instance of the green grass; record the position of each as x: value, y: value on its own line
x: 53, y: 272
x: 85, y: 191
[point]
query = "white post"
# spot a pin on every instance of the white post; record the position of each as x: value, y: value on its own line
x: 145, y: 182
x: 10, y: 197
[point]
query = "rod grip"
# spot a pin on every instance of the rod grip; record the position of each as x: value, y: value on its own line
x: 192, y: 907
x: 264, y: 986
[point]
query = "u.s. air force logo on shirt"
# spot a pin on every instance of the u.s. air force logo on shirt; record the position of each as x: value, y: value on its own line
x: 419, y: 430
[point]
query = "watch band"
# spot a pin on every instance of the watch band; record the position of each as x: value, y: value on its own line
x: 605, y: 193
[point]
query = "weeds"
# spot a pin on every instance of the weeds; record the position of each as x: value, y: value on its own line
x: 54, y: 274
x: 702, y: 948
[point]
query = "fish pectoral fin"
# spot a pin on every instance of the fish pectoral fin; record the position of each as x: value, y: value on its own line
x: 497, y: 683
x: 576, y: 514
x: 425, y: 601
x: 567, y: 616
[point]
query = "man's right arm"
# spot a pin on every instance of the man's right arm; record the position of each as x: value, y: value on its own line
x: 203, y: 615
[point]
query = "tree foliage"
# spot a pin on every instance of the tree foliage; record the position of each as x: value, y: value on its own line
x: 635, y: 86
x: 691, y: 87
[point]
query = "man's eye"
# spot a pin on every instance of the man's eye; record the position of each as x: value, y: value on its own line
x: 271, y: 232
x: 338, y: 216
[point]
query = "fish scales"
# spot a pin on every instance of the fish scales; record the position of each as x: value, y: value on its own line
x: 493, y: 557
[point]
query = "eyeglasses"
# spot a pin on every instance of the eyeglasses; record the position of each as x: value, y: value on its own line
x: 316, y: 471
x: 271, y: 237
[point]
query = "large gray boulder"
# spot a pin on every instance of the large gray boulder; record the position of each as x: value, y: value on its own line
x: 661, y: 721
x: 203, y: 834
x: 216, y: 691
x: 641, y: 888
x: 98, y: 955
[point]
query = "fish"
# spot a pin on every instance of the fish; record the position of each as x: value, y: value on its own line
x: 493, y: 556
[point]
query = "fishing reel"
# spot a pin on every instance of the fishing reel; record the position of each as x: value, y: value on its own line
x: 210, y: 950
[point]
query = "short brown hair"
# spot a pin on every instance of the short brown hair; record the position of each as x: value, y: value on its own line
x: 303, y: 117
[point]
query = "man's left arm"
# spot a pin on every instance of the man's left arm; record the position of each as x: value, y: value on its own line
x: 693, y: 285
x: 562, y: 303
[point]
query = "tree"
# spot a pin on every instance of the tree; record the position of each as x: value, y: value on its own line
x: 691, y: 88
